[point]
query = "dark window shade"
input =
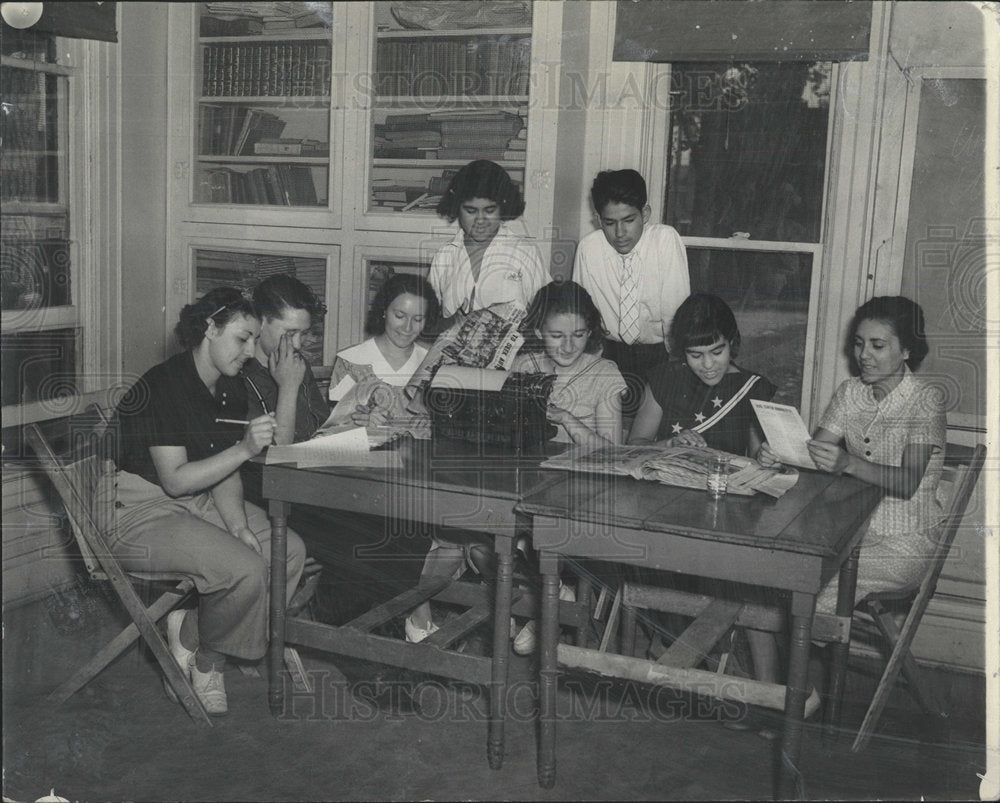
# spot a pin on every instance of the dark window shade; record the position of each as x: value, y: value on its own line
x: 763, y: 30
x: 80, y: 20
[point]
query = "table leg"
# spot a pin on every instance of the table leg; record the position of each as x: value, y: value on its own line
x: 548, y: 674
x: 628, y: 625
x: 802, y: 609
x: 839, y: 651
x: 278, y: 512
x: 584, y: 596
x: 504, y: 547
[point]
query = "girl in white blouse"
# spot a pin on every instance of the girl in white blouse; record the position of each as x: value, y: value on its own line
x: 487, y: 262
x: 384, y: 363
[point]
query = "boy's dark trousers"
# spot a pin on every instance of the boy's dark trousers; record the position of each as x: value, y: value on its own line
x: 635, y: 361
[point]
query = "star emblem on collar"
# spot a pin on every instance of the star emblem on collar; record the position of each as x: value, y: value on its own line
x: 717, y: 402
x: 676, y: 429
x: 699, y: 418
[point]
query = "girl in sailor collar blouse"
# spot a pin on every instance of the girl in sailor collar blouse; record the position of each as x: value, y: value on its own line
x: 704, y: 400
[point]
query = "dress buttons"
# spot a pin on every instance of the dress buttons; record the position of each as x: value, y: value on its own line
x: 868, y: 440
x: 868, y: 454
x: 211, y: 445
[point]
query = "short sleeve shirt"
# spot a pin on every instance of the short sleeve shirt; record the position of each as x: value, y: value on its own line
x: 880, y: 432
x: 598, y: 381
x: 721, y: 413
x: 171, y: 406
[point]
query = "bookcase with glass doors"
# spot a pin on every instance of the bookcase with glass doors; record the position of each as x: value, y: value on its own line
x: 337, y: 126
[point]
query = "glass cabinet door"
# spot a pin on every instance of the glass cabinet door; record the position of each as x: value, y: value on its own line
x: 451, y: 85
x: 246, y: 269
x: 262, y: 78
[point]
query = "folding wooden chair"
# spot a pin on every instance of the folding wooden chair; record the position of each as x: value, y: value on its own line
x: 77, y: 477
x: 897, y: 640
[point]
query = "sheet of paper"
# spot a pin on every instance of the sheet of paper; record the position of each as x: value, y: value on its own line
x: 340, y: 389
x: 785, y: 432
x: 348, y: 447
x: 458, y: 377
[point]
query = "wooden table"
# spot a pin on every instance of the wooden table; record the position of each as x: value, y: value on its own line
x: 794, y: 543
x: 442, y: 483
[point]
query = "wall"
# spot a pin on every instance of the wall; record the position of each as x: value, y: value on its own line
x: 142, y: 34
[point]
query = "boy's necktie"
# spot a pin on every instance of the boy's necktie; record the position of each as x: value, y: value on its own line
x: 628, y: 308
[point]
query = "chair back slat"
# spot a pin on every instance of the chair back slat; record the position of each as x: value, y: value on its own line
x: 966, y: 476
x: 77, y: 477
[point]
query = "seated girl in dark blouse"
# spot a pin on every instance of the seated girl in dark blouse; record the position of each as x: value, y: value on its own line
x: 705, y: 399
x: 179, y: 503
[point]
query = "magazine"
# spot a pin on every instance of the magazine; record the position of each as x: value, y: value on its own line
x: 485, y: 338
x: 683, y: 466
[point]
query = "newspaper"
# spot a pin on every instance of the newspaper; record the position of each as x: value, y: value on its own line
x: 683, y: 466
x: 785, y: 432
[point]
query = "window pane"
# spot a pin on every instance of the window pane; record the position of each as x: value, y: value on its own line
x: 246, y: 271
x: 747, y: 149
x: 31, y: 136
x: 34, y: 272
x: 769, y: 294
x: 39, y: 366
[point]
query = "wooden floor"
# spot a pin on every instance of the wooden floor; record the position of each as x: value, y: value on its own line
x: 359, y: 738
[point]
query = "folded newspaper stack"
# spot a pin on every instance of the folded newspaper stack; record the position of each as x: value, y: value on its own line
x: 683, y: 466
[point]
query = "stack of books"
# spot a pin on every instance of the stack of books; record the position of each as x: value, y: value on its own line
x: 248, y: 18
x: 477, y: 134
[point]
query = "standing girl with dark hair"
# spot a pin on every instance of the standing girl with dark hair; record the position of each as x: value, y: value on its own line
x: 179, y: 500
x: 486, y: 263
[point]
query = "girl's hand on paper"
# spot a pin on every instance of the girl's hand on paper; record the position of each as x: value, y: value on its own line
x: 766, y: 457
x: 687, y: 437
x: 286, y: 364
x: 828, y: 456
x: 259, y: 434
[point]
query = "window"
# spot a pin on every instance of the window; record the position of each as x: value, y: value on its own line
x: 746, y: 174
x: 58, y: 243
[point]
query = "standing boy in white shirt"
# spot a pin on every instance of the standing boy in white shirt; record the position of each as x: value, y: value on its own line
x: 637, y: 274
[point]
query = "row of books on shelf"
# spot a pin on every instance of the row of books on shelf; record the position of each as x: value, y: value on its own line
x: 477, y: 66
x: 277, y: 185
x: 266, y: 69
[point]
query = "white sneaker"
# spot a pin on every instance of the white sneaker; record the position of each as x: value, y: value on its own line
x: 526, y: 641
x: 415, y: 634
x: 181, y: 653
x: 210, y: 687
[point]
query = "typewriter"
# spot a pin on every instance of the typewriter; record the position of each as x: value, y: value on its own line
x: 512, y: 417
